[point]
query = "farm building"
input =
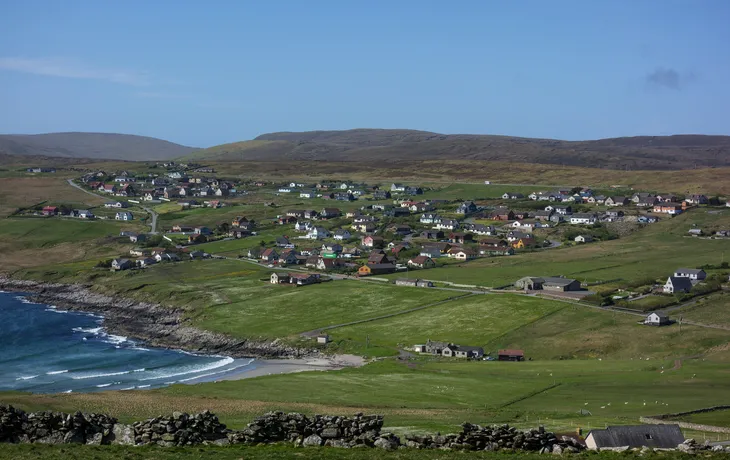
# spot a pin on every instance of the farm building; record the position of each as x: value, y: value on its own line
x: 548, y: 283
x: 323, y: 339
x: 279, y: 278
x: 413, y: 282
x: 654, y: 436
x: 510, y: 355
x: 657, y: 319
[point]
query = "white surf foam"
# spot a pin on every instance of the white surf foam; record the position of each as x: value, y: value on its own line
x: 207, y: 367
x: 96, y: 376
x: 57, y: 372
x: 103, y: 385
x: 68, y: 391
x: 214, y: 373
x: 29, y: 377
x: 144, y: 386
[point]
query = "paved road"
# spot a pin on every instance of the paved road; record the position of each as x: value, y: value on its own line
x: 318, y: 331
x: 153, y: 224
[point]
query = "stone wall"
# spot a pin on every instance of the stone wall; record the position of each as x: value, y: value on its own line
x: 180, y: 429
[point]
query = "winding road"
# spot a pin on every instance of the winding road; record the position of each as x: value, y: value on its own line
x: 153, y: 224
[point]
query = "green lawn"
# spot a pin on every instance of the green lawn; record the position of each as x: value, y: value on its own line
x: 715, y: 418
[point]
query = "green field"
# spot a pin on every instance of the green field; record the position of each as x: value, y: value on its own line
x: 713, y: 310
x: 715, y: 418
x: 477, y: 320
x: 459, y: 191
x: 260, y: 309
x: 45, y: 232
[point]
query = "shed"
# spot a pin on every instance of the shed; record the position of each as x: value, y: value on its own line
x: 510, y: 355
x: 654, y: 436
x: 324, y: 338
x: 657, y: 318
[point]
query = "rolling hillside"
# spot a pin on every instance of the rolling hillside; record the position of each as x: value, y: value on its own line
x: 358, y: 145
x: 91, y: 145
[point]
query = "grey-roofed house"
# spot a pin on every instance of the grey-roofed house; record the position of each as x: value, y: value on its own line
x: 657, y: 318
x: 676, y: 284
x: 654, y: 436
x: 691, y: 273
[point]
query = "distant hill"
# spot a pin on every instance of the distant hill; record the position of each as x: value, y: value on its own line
x: 378, y: 145
x: 92, y: 145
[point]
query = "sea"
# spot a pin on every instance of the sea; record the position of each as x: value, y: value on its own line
x: 45, y: 349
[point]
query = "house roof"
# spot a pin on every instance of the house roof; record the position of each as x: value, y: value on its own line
x: 656, y: 436
x: 268, y: 252
x: 691, y: 271
x: 420, y: 260
x: 468, y: 348
x: 680, y: 282
x: 557, y: 281
x: 381, y: 266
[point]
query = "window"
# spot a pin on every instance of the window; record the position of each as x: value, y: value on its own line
x: 647, y: 436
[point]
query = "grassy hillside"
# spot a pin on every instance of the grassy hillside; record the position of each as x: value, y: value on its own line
x: 655, y: 152
x: 92, y: 145
x: 651, y: 253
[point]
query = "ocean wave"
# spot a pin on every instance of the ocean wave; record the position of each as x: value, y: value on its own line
x: 68, y: 391
x: 29, y: 377
x: 140, y: 349
x: 114, y: 339
x: 89, y: 330
x: 127, y: 389
x: 57, y: 372
x: 104, y: 385
x: 207, y: 367
x: 96, y: 376
x: 214, y: 373
x: 144, y: 386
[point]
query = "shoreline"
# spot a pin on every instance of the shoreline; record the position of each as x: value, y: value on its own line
x: 153, y: 324
x: 295, y: 365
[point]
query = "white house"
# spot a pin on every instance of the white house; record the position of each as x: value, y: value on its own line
x: 429, y: 218
x: 303, y: 226
x: 583, y: 239
x: 447, y: 224
x: 431, y: 252
x: 657, y: 319
x: 84, y: 214
x: 677, y: 284
x: 285, y: 190
x: 317, y: 233
x: 116, y: 204
x: 308, y: 194
x: 125, y: 215
x: 691, y: 273
x: 397, y: 188
x: 583, y: 219
x: 342, y: 234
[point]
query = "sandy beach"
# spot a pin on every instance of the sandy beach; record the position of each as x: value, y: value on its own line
x: 287, y: 366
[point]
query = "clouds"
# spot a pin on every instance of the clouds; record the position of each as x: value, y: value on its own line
x: 72, y: 68
x: 668, y: 78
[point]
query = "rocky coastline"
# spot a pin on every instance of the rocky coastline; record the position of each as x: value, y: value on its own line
x: 156, y: 325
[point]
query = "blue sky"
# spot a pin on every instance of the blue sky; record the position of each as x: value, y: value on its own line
x: 205, y: 73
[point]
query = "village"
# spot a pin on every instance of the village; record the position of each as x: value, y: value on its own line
x: 308, y: 234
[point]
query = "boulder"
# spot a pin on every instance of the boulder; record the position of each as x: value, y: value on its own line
x: 312, y: 441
